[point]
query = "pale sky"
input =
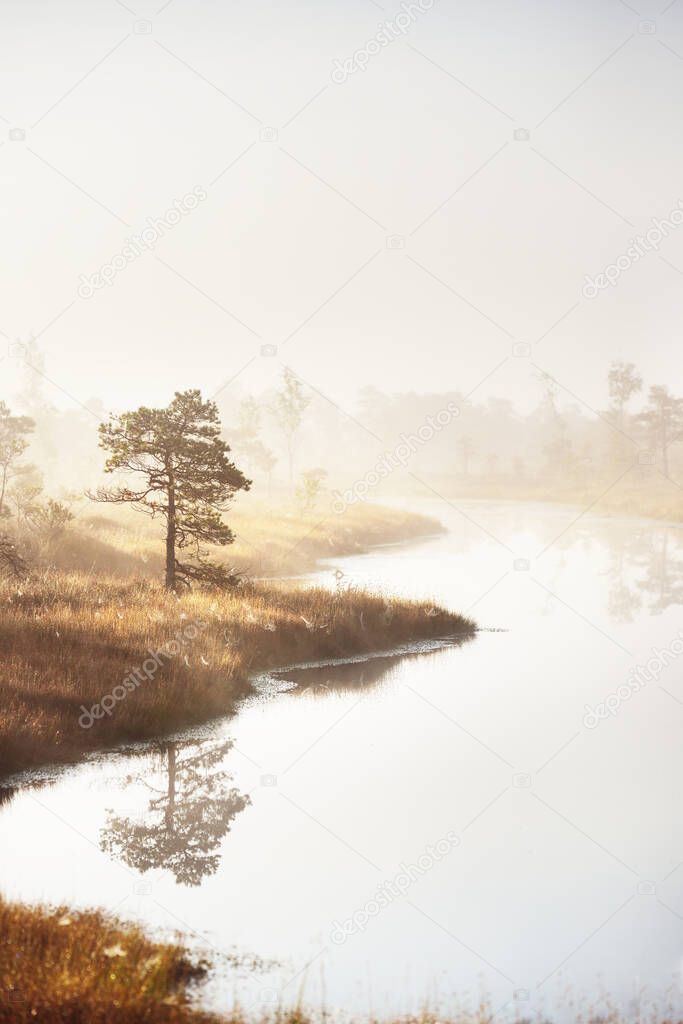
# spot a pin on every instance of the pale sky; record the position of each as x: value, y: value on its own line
x: 110, y: 112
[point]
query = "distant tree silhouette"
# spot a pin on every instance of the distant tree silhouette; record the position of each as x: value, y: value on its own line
x: 559, y: 452
x: 465, y: 447
x: 623, y: 381
x: 308, y: 491
x: 662, y: 421
x: 492, y: 463
x: 247, y: 441
x: 13, y: 444
x: 288, y: 408
x: 24, y: 497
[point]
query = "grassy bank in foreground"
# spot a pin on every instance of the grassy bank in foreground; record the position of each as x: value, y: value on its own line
x: 88, y: 663
x: 63, y: 967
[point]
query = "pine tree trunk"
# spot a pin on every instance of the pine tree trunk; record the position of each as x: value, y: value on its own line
x: 170, y: 806
x: 170, y: 539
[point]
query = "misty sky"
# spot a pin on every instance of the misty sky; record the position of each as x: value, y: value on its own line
x: 127, y: 108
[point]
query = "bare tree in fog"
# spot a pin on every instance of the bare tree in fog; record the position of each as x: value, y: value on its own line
x: 24, y: 498
x: 288, y: 408
x: 623, y: 383
x: 308, y: 491
x: 247, y: 440
x: 465, y: 446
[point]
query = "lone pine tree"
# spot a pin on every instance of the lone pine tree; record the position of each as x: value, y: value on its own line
x: 184, y: 475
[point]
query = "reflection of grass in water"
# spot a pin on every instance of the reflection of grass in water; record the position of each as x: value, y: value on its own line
x: 358, y: 675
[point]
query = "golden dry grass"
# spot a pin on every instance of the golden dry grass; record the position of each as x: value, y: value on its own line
x: 59, y: 966
x: 268, y: 543
x: 67, y: 640
x: 63, y: 967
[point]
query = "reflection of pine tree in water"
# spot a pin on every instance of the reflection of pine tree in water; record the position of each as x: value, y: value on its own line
x: 645, y: 567
x: 623, y: 601
x: 661, y: 574
x: 187, y: 819
x: 664, y: 579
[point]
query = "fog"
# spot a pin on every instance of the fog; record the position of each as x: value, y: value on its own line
x: 397, y: 214
x: 625, y: 453
x: 341, y: 490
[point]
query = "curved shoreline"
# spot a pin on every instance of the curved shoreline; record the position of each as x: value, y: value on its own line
x: 266, y: 685
x: 237, y: 640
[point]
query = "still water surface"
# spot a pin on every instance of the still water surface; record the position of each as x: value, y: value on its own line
x: 551, y: 851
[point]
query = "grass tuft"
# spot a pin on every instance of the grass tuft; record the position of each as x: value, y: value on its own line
x: 65, y: 967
